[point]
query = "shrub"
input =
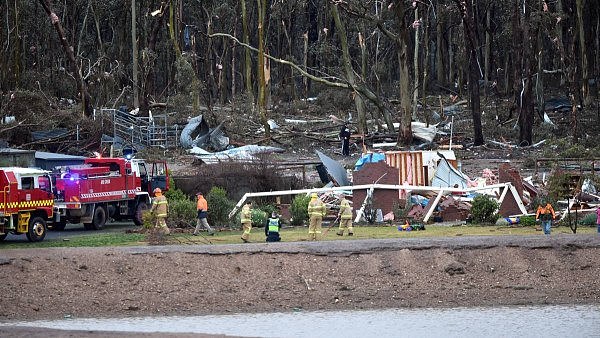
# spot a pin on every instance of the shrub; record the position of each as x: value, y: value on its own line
x: 558, y: 186
x: 174, y: 193
x: 182, y: 213
x: 484, y: 209
x: 219, y: 206
x: 259, y: 217
x: 589, y: 219
x: 527, y: 221
x: 299, y: 209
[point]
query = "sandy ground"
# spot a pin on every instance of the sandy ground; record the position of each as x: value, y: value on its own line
x: 334, y: 275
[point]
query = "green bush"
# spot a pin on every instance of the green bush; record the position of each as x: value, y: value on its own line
x: 589, y: 219
x: 484, y: 209
x: 259, y: 217
x: 527, y: 221
x: 558, y: 187
x: 219, y: 206
x: 299, y: 209
x: 182, y: 213
x: 174, y: 193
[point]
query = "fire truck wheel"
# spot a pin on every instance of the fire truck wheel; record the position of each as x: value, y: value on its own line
x: 137, y: 218
x: 36, y: 231
x: 99, y: 218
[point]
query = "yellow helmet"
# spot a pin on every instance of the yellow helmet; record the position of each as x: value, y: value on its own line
x: 157, y: 191
x: 314, y: 195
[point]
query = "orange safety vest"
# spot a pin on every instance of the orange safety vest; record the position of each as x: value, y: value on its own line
x: 202, y: 204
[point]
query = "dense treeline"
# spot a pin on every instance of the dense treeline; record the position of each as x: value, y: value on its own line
x: 181, y: 52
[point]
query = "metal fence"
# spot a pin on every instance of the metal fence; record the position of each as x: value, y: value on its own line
x: 140, y: 131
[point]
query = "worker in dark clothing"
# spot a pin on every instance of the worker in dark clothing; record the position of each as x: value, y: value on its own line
x: 345, y: 138
x: 272, y: 227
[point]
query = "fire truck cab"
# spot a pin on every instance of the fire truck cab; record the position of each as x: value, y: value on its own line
x: 26, y: 202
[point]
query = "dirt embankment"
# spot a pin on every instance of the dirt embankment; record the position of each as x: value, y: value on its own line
x: 361, y: 274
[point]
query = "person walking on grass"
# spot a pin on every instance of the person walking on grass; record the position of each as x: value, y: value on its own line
x: 160, y: 207
x: 202, y: 208
x: 246, y: 220
x: 345, y: 216
x: 546, y: 214
x: 316, y: 211
x: 272, y: 227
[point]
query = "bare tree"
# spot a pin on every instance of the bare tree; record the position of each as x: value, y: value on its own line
x: 86, y: 100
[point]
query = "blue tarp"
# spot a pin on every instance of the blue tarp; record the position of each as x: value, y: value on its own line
x: 369, y: 158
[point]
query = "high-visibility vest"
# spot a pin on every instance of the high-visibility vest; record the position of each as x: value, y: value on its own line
x: 345, y: 209
x: 273, y: 224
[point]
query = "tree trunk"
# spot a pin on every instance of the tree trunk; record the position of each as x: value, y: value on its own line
x: 86, y: 100
x: 488, y: 48
x: 472, y: 45
x: 417, y: 72
x: 362, y: 118
x: 262, y: 108
x: 134, y: 48
x: 539, y: 87
x: 149, y: 56
x: 247, y: 58
x: 341, y: 31
x: 439, y: 56
x: 585, y: 89
x: 526, y: 111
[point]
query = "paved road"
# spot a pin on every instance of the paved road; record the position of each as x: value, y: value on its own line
x: 74, y: 230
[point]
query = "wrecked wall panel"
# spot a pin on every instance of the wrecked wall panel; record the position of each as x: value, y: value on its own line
x: 410, y: 166
x: 381, y: 173
x: 509, y: 174
x: 509, y: 206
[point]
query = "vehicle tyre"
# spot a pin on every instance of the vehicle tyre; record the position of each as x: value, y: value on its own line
x: 3, y: 237
x: 58, y: 226
x: 36, y: 231
x: 139, y: 213
x: 99, y: 218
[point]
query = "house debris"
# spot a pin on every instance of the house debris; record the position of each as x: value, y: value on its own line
x: 197, y: 134
x: 240, y: 154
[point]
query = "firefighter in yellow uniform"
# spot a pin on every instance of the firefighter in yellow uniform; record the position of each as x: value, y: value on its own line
x: 345, y: 216
x: 246, y: 220
x: 316, y: 211
x: 160, y: 206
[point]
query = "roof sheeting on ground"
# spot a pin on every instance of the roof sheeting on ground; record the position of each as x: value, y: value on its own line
x: 335, y: 169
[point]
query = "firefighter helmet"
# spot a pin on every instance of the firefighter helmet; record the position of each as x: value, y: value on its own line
x: 314, y: 195
x: 157, y: 191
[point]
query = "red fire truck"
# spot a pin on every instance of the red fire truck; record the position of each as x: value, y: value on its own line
x: 105, y: 188
x: 26, y: 202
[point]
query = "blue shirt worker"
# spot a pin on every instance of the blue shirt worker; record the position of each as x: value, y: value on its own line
x: 272, y: 228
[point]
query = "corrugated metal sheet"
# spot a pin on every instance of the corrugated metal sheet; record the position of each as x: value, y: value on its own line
x: 410, y: 166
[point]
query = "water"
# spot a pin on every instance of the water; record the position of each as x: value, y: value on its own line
x: 526, y: 321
